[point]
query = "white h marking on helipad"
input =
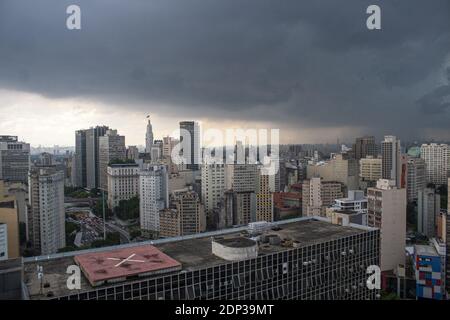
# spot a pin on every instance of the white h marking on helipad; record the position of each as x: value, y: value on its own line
x: 125, y: 260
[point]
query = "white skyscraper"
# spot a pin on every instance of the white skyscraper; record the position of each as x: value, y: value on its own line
x: 437, y: 159
x: 149, y: 137
x: 47, y: 216
x: 386, y: 210
x: 154, y: 196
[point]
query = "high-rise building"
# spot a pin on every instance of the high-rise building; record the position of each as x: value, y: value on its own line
x: 185, y: 216
x: 364, y: 147
x: 14, y: 159
x: 391, y: 159
x: 437, y: 159
x: 9, y: 222
x: 416, y: 177
x: 241, y: 177
x: 47, y: 216
x: 302, y: 259
x: 339, y: 168
x: 154, y: 196
x: 87, y: 156
x: 213, y: 185
x: 123, y: 182
x: 111, y: 148
x: 191, y: 144
x: 370, y: 170
x: 264, y: 197
x: 317, y: 195
x: 132, y: 153
x: 156, y: 152
x: 149, y: 138
x: 80, y: 179
x: 428, y: 209
x: 386, y: 210
x: 312, y: 197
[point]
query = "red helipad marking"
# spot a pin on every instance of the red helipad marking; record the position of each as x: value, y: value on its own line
x: 105, y: 265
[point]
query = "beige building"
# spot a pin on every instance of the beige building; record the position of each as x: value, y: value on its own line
x: 123, y: 183
x: 318, y: 194
x: 9, y: 219
x: 264, y: 198
x: 370, y: 169
x: 386, y: 210
x: 338, y: 169
x: 46, y: 219
x: 184, y: 217
x: 213, y: 185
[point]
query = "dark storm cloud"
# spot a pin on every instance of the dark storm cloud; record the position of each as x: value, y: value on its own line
x: 298, y: 63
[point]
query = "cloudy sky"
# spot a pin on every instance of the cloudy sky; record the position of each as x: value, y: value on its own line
x: 310, y: 68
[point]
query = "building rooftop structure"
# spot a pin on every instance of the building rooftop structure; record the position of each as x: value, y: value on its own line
x: 186, y: 253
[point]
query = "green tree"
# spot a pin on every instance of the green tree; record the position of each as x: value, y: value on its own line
x: 127, y: 209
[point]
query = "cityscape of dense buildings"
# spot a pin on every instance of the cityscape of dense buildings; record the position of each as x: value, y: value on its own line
x: 291, y: 234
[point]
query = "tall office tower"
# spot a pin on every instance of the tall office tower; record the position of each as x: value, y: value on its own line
x: 391, y: 160
x: 191, y: 148
x: 416, y: 178
x: 14, y: 159
x: 386, y: 210
x: 317, y: 195
x: 9, y: 222
x: 301, y: 259
x: 149, y: 138
x: 437, y: 159
x: 154, y: 196
x: 370, y: 169
x: 92, y: 156
x: 213, y: 185
x: 264, y: 197
x: 3, y: 241
x: 364, y: 147
x: 123, y: 182
x: 80, y: 159
x: 185, y: 215
x: 132, y: 153
x: 111, y: 148
x: 428, y: 209
x: 46, y: 217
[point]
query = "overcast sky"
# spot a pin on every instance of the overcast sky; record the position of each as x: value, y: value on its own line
x: 310, y: 68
